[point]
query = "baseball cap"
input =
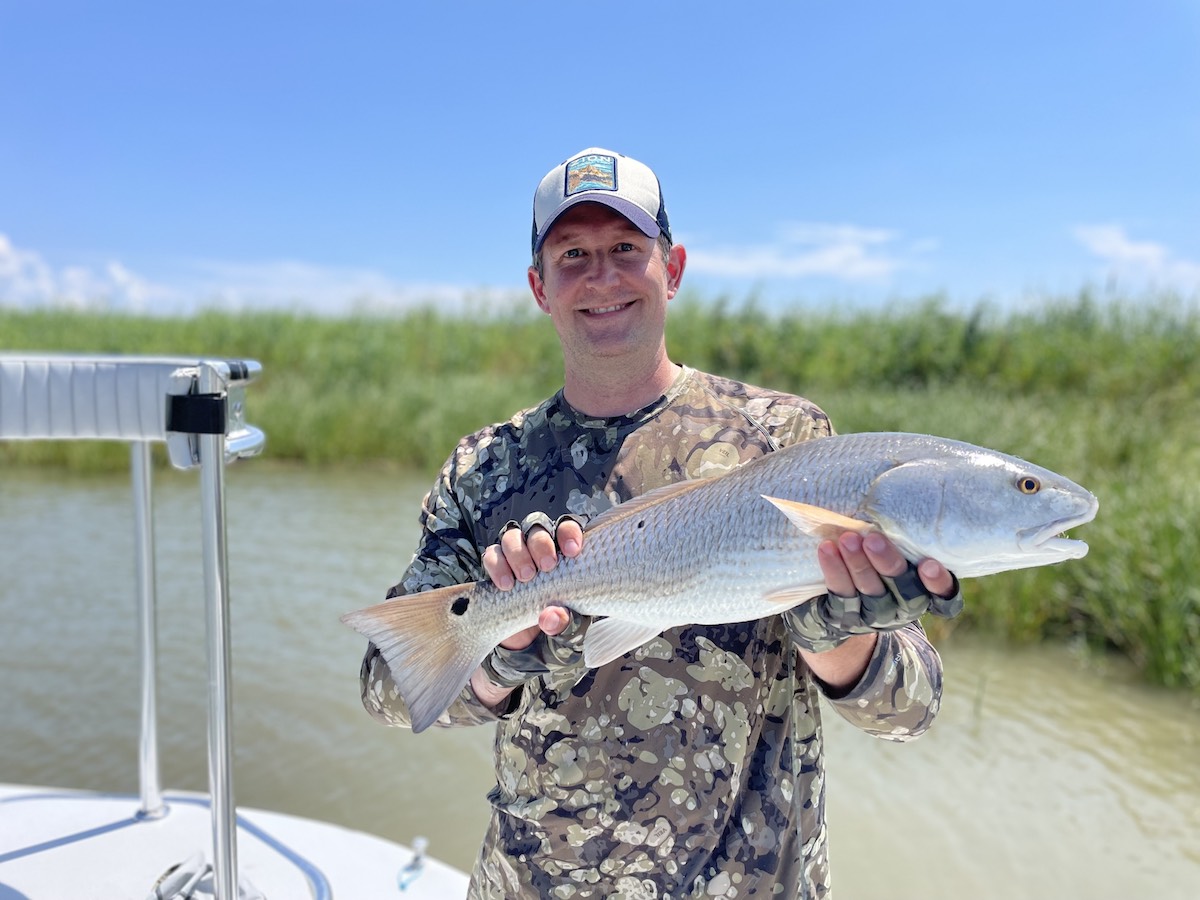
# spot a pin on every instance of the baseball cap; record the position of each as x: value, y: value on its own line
x: 596, y: 175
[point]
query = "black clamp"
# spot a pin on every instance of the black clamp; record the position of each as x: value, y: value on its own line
x: 197, y: 413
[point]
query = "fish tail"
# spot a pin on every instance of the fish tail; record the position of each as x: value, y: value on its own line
x: 429, y: 652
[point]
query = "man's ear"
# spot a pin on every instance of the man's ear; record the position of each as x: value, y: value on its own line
x: 676, y: 263
x: 539, y: 290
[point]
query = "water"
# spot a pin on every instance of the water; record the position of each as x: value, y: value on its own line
x: 1048, y: 774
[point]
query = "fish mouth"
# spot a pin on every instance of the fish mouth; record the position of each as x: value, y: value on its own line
x: 1050, y: 539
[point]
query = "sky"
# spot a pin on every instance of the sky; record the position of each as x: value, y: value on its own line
x: 330, y: 157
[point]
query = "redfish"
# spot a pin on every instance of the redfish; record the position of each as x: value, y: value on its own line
x: 741, y: 546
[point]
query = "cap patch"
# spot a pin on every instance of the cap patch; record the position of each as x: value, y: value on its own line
x: 593, y: 172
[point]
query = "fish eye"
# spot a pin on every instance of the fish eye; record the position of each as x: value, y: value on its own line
x: 1027, y: 484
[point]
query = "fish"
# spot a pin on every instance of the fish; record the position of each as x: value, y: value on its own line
x: 739, y: 546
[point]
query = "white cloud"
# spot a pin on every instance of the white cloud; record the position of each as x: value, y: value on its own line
x: 327, y: 289
x: 22, y: 274
x: 1128, y: 259
x: 27, y: 279
x: 806, y: 249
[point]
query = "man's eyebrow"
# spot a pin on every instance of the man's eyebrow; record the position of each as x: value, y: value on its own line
x: 569, y: 234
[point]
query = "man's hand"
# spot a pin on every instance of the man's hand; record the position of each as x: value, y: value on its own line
x: 517, y: 558
x: 854, y: 563
x: 837, y: 633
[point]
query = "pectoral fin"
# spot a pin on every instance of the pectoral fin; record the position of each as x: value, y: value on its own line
x: 821, y: 523
x: 607, y: 639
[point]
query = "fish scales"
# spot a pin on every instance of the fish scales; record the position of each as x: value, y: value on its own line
x: 739, y: 546
x: 661, y: 563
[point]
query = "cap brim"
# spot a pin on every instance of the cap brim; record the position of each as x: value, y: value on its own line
x: 645, y: 222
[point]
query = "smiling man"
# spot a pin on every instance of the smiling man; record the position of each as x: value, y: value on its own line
x: 692, y: 766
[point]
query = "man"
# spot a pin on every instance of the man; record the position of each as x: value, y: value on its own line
x: 692, y: 766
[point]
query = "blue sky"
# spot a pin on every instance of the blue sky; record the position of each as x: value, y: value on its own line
x: 332, y: 156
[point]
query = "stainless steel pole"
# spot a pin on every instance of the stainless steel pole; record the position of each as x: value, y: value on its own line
x: 216, y: 585
x: 149, y: 783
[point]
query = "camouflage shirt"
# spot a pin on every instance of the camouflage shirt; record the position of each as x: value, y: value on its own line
x: 693, y: 766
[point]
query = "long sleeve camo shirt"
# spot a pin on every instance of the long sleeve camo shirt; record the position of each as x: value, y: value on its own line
x: 693, y: 766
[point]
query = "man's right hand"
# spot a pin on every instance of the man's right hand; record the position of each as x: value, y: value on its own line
x: 517, y: 558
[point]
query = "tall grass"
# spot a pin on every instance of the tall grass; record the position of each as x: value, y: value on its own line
x: 1106, y: 393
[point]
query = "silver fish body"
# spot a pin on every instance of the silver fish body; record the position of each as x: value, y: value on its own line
x: 740, y: 546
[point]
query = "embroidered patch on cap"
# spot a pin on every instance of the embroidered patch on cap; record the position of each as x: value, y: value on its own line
x: 593, y: 172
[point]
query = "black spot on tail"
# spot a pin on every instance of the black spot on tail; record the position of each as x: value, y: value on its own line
x: 459, y: 606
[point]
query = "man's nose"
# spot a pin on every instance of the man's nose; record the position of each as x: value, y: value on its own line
x: 602, y: 271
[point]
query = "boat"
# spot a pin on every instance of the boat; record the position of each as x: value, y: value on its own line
x: 62, y: 844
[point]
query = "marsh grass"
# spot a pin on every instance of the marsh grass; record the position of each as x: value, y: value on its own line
x: 1106, y: 393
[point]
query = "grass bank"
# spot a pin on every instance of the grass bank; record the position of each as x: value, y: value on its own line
x: 1106, y: 393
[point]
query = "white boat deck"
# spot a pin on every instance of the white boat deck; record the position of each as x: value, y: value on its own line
x: 59, y: 844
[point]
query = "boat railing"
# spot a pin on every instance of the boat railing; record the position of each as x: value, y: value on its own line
x: 197, y: 408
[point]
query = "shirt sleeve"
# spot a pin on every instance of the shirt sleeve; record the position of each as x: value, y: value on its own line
x: 448, y: 554
x: 899, y: 694
x: 795, y: 420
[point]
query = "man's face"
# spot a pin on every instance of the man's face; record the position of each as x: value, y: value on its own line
x: 605, y: 285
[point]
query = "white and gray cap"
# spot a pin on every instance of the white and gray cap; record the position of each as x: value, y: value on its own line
x: 596, y: 175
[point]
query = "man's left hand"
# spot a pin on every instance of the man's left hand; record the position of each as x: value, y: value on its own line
x: 871, y: 588
x: 852, y: 565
